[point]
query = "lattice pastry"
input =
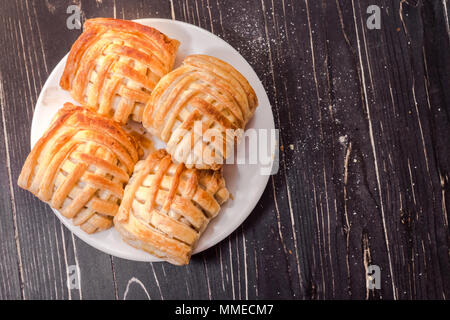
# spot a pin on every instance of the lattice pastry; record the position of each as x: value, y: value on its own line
x: 166, y: 206
x: 115, y: 64
x: 80, y: 166
x: 192, y: 108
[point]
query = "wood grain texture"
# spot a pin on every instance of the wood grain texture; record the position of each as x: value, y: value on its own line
x: 364, y: 125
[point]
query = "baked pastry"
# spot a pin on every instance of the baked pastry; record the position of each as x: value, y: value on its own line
x: 193, y: 108
x: 80, y: 166
x: 166, y: 207
x: 115, y: 64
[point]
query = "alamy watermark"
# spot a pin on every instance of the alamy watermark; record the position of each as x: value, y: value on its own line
x: 73, y: 277
x: 373, y: 277
x: 74, y: 20
x: 199, y: 146
x: 374, y: 20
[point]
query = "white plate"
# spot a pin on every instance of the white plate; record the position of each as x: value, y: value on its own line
x: 244, y: 181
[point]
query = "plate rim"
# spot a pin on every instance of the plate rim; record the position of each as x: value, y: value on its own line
x: 147, y: 257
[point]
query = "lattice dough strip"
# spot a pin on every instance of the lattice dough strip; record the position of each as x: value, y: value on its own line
x: 222, y: 78
x: 171, y: 224
x: 88, y: 215
x: 136, y: 42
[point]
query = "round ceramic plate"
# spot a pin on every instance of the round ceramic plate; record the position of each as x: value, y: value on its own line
x: 245, y: 181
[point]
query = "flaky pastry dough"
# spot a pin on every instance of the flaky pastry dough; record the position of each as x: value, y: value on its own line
x: 80, y: 167
x: 166, y: 207
x: 205, y: 91
x: 115, y: 64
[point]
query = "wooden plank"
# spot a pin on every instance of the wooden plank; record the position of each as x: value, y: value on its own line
x: 10, y: 263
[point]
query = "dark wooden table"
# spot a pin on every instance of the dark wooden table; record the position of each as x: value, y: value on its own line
x: 364, y: 119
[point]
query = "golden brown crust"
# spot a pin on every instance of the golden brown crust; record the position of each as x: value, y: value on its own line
x: 80, y: 166
x: 166, y: 207
x: 115, y: 64
x: 207, y: 90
